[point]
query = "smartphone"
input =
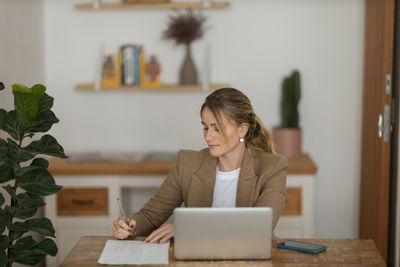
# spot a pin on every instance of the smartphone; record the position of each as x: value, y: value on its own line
x: 302, y: 246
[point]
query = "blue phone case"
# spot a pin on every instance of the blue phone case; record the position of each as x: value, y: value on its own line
x: 313, y: 251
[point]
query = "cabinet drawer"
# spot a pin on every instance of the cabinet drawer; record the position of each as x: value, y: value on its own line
x: 82, y: 201
x: 293, y: 201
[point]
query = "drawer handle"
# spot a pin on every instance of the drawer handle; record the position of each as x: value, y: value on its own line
x: 83, y: 202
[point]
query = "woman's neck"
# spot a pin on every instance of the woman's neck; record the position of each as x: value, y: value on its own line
x: 231, y: 160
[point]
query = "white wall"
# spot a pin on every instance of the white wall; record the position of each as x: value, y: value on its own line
x: 254, y: 43
x: 21, y: 45
x: 21, y: 54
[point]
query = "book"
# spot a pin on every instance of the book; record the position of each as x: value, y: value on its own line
x: 121, y: 51
x: 128, y: 53
x: 142, y: 69
x: 136, y: 72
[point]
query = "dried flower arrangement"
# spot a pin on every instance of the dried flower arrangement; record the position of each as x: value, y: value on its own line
x: 184, y: 28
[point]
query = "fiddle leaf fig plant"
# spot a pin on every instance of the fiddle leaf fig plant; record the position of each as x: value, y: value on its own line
x: 24, y: 175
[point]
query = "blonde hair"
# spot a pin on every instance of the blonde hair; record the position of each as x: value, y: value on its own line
x: 237, y: 107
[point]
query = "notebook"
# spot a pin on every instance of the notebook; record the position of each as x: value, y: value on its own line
x: 222, y: 233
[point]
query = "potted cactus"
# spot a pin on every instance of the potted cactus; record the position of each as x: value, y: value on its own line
x: 287, y: 137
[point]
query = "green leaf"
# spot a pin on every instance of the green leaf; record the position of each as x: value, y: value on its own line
x: 46, y: 145
x: 46, y: 246
x: 38, y: 182
x: 3, y: 147
x: 4, y: 241
x: 20, y: 213
x: 28, y: 201
x: 17, y: 234
x: 19, y: 154
x: 2, y: 200
x: 3, y: 115
x: 20, y: 88
x: 49, y: 246
x: 46, y: 102
x: 40, y: 225
x: 26, y: 102
x: 44, y: 121
x: 26, y: 242
x: 28, y: 257
x: 1, y: 86
x: 3, y: 257
x: 3, y: 222
x: 11, y: 125
x: 22, y: 120
x: 9, y: 189
x: 23, y: 170
x: 40, y: 162
x: 28, y: 251
x: 6, y: 170
x: 36, y: 164
x: 38, y: 90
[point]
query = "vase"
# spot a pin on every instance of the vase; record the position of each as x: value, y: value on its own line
x: 287, y: 141
x: 188, y: 73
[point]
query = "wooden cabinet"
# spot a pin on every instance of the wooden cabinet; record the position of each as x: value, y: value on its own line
x: 78, y: 211
x: 82, y: 201
x: 293, y: 201
x: 297, y: 219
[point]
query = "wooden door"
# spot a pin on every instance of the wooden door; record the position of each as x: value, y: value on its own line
x: 377, y: 97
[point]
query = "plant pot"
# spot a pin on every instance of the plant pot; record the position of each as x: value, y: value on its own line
x: 188, y: 73
x: 287, y: 141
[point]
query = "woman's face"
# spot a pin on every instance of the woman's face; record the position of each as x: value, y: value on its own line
x: 217, y: 143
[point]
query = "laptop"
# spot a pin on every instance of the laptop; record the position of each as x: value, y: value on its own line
x: 222, y: 233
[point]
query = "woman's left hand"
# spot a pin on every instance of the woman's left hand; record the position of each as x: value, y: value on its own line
x: 164, y: 233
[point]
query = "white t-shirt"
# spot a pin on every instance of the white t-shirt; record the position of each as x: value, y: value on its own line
x: 225, y: 189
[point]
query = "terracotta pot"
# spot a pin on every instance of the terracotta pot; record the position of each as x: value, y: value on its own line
x: 287, y: 141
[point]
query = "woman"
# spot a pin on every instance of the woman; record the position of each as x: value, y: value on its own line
x: 238, y: 169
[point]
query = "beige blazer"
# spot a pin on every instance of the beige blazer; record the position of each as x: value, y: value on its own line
x: 262, y: 182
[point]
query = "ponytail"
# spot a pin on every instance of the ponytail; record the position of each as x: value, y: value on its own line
x: 260, y: 137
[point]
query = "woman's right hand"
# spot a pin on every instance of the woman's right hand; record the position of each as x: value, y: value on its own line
x: 121, y: 229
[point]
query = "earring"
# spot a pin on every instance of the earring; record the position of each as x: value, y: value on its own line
x: 241, y: 139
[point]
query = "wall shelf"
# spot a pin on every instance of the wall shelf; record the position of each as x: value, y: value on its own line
x: 89, y: 87
x: 200, y: 4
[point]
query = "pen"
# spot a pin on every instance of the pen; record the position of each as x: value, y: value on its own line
x: 124, y: 214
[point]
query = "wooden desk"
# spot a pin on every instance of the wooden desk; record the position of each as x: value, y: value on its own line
x: 87, y: 205
x: 340, y: 252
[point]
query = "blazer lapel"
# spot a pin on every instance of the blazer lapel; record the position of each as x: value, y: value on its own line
x: 201, y: 189
x: 246, y: 183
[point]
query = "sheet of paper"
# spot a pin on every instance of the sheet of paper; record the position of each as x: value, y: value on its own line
x: 133, y: 252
